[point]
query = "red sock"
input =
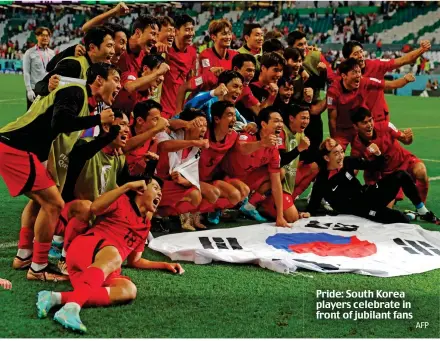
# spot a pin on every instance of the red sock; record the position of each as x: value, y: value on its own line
x: 184, y: 207
x: 74, y: 228
x: 100, y: 298
x: 91, y: 279
x: 41, y: 253
x: 256, y: 198
x: 422, y: 187
x: 26, y: 239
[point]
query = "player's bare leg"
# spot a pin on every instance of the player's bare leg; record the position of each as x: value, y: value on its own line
x: 26, y: 240
x: 422, y: 181
x: 51, y: 205
x: 241, y: 186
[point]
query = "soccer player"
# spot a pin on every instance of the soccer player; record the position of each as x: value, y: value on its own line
x: 141, y: 42
x: 94, y: 259
x: 337, y: 183
x: 377, y: 68
x: 253, y: 38
x: 49, y: 129
x: 255, y: 160
x: 386, y: 137
x: 293, y: 143
x: 35, y: 61
x: 147, y: 123
x: 221, y: 138
x: 141, y: 85
x: 167, y: 32
x: 100, y: 47
x: 182, y: 61
x: 178, y: 167
x: 346, y: 95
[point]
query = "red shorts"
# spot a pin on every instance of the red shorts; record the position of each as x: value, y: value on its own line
x: 63, y: 219
x: 345, y: 136
x: 256, y: 178
x: 22, y: 171
x: 268, y: 205
x: 408, y: 165
x: 82, y: 254
x: 172, y: 193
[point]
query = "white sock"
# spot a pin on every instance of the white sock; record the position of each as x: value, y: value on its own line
x: 422, y: 210
x: 73, y: 306
x: 38, y: 267
x: 56, y: 297
x: 24, y: 253
x: 63, y: 253
x: 249, y: 206
x: 58, y: 239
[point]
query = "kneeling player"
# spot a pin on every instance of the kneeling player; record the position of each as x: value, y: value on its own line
x: 386, y: 137
x: 337, y: 183
x: 95, y: 258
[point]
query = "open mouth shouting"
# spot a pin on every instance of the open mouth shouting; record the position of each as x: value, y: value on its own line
x: 156, y: 202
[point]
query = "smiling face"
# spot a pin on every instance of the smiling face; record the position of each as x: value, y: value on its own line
x: 185, y: 34
x: 235, y: 87
x: 120, y: 46
x: 301, y: 44
x: 223, y: 38
x: 109, y: 88
x: 335, y: 159
x: 151, y: 197
x: 43, y: 39
x: 148, y: 38
x: 247, y: 71
x: 296, y: 65
x: 300, y: 122
x: 121, y: 140
x: 358, y: 53
x: 271, y: 74
x: 255, y: 40
x: 366, y: 127
x: 352, y: 79
x: 225, y: 124
x: 167, y: 35
x: 105, y: 52
x: 274, y: 125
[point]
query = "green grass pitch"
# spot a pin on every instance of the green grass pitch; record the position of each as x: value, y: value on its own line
x: 224, y: 300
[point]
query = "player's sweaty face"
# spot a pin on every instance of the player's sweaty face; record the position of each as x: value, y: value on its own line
x: 366, y: 127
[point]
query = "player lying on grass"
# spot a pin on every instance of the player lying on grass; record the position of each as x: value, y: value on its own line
x: 337, y: 183
x: 95, y: 258
x: 386, y: 137
x: 48, y: 131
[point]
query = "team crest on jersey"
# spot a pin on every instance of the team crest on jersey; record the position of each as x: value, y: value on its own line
x: 329, y: 101
x: 206, y: 63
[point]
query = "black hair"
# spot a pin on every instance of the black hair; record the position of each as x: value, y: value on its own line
x: 241, y: 58
x: 188, y: 114
x: 142, y: 109
x: 218, y: 108
x: 247, y: 29
x: 293, y: 53
x: 272, y: 45
x: 283, y: 80
x: 151, y: 61
x: 359, y: 114
x: 181, y: 20
x: 272, y: 59
x: 293, y: 36
x: 347, y: 65
x: 293, y: 110
x: 142, y: 22
x: 96, y: 36
x: 119, y: 113
x: 348, y: 47
x: 116, y: 28
x: 165, y: 21
x: 226, y: 76
x: 100, y: 69
x: 264, y: 115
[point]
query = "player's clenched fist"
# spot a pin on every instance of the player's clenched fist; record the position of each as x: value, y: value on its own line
x: 409, y: 77
x: 221, y: 90
x: 304, y: 144
x: 54, y: 81
x: 425, y: 45
x: 138, y: 186
x: 374, y: 149
x: 80, y: 50
x: 269, y: 141
x: 162, y: 125
x: 204, y: 144
x: 163, y: 69
x: 308, y: 94
x: 107, y: 116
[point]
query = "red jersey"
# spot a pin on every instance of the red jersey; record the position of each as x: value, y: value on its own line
x: 377, y: 68
x: 123, y: 225
x: 385, y: 136
x: 247, y: 97
x: 212, y: 157
x: 239, y: 165
x: 344, y: 101
x: 181, y: 63
x: 131, y: 62
x: 136, y: 158
x: 125, y: 100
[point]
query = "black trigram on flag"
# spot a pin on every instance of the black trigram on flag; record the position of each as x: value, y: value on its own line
x: 417, y: 247
x: 220, y: 243
x: 332, y: 226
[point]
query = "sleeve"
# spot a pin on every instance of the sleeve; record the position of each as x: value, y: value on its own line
x: 288, y: 157
x: 274, y: 165
x: 248, y: 98
x: 386, y: 65
x: 124, y: 175
x: 161, y: 137
x: 27, y: 70
x: 356, y: 151
x: 69, y: 52
x: 374, y: 83
x: 332, y: 97
x: 393, y: 131
x: 199, y: 100
x: 128, y: 76
x: 112, y: 207
x: 68, y: 104
x: 353, y: 163
x: 67, y: 68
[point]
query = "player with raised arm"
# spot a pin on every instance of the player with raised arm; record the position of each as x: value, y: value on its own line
x: 95, y: 259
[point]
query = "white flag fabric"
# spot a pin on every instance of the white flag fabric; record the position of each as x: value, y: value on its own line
x: 325, y: 244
